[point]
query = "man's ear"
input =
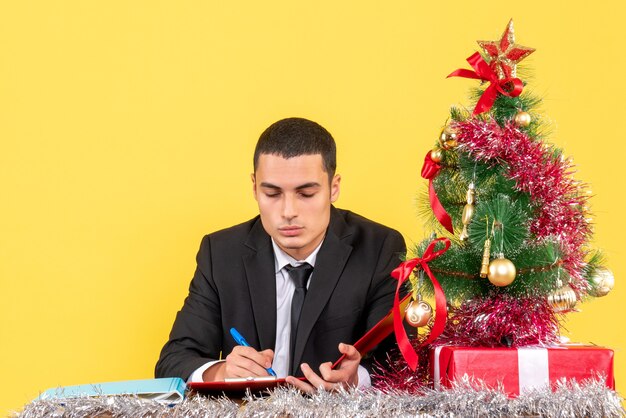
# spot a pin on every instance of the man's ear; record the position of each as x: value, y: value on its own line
x: 334, y: 188
x: 253, y: 178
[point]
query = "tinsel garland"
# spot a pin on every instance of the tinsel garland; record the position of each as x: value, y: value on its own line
x: 499, y: 321
x: 396, y: 375
x: 569, y: 399
x: 539, y: 170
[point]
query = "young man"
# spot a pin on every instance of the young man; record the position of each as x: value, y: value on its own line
x: 301, y: 281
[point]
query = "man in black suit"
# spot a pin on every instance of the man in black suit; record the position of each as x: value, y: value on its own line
x: 246, y: 276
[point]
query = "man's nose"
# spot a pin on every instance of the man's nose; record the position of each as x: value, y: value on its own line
x: 290, y: 207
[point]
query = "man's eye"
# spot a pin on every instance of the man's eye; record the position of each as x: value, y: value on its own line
x: 307, y: 194
x: 272, y: 194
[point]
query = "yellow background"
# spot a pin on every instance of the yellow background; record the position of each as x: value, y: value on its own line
x: 127, y: 131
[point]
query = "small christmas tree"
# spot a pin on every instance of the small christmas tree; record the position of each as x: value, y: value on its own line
x: 517, y: 220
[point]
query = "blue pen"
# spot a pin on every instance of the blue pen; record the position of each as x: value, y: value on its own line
x: 242, y: 341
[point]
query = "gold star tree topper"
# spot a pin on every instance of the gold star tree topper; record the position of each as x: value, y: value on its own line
x: 503, y: 55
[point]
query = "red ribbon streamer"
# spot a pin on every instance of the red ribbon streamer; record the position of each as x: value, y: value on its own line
x: 511, y: 87
x: 430, y: 169
x: 401, y: 273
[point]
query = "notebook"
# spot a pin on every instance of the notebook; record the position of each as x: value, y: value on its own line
x: 167, y: 390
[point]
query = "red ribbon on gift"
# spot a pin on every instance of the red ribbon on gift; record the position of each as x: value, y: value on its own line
x: 511, y: 87
x: 402, y: 273
x: 430, y: 169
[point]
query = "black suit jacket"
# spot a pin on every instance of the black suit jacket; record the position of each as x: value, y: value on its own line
x: 235, y: 286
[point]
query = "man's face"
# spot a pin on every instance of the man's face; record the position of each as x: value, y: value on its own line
x: 294, y: 197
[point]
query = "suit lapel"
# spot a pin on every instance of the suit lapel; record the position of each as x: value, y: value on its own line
x: 259, y: 265
x: 329, y: 265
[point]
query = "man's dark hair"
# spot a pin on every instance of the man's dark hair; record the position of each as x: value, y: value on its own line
x: 293, y: 137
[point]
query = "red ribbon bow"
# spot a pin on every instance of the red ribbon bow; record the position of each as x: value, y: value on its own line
x: 401, y: 273
x: 430, y: 169
x: 511, y: 87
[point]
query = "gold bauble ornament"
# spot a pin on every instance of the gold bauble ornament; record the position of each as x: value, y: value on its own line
x: 562, y: 299
x: 448, y: 138
x: 602, y: 282
x: 501, y: 271
x: 522, y: 119
x: 418, y: 313
x: 436, y: 155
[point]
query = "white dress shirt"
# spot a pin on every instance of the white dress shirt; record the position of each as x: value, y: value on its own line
x: 284, y: 293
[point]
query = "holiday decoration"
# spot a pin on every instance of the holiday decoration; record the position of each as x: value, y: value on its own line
x: 501, y: 271
x: 418, y: 313
x: 448, y: 138
x: 524, y: 224
x: 590, y: 398
x: 402, y: 273
x: 436, y: 155
x: 511, y: 87
x: 562, y: 299
x: 430, y: 170
x: 484, y: 266
x: 468, y: 212
x: 523, y: 218
x: 518, y: 370
x: 504, y: 321
x: 505, y: 53
x: 601, y: 282
x: 522, y: 119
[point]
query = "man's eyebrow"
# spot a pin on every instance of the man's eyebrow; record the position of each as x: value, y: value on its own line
x: 302, y: 186
x: 308, y: 185
x: 269, y: 185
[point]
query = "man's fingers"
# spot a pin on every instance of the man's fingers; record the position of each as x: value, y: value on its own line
x: 350, y: 352
x: 330, y: 374
x: 347, y: 372
x: 246, y: 361
x: 237, y: 366
x: 233, y: 370
x: 315, y: 380
x: 300, y: 385
x: 351, y: 361
x: 263, y: 358
x: 344, y: 376
x: 269, y: 357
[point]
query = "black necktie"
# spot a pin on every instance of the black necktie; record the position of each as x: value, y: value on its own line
x: 299, y: 275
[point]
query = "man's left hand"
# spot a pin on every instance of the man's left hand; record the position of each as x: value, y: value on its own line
x: 346, y: 375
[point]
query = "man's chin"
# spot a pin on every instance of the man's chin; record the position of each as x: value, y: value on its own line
x: 286, y: 243
x: 294, y: 248
x: 298, y: 247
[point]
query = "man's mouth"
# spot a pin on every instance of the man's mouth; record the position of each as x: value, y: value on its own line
x: 290, y: 231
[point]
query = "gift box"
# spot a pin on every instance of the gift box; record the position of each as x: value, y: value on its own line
x: 518, y: 370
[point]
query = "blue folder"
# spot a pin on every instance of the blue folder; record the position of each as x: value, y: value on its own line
x: 166, y: 390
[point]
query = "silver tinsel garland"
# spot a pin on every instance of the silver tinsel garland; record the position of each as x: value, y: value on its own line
x: 569, y: 399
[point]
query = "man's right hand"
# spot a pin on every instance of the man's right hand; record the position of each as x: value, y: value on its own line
x: 241, y: 362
